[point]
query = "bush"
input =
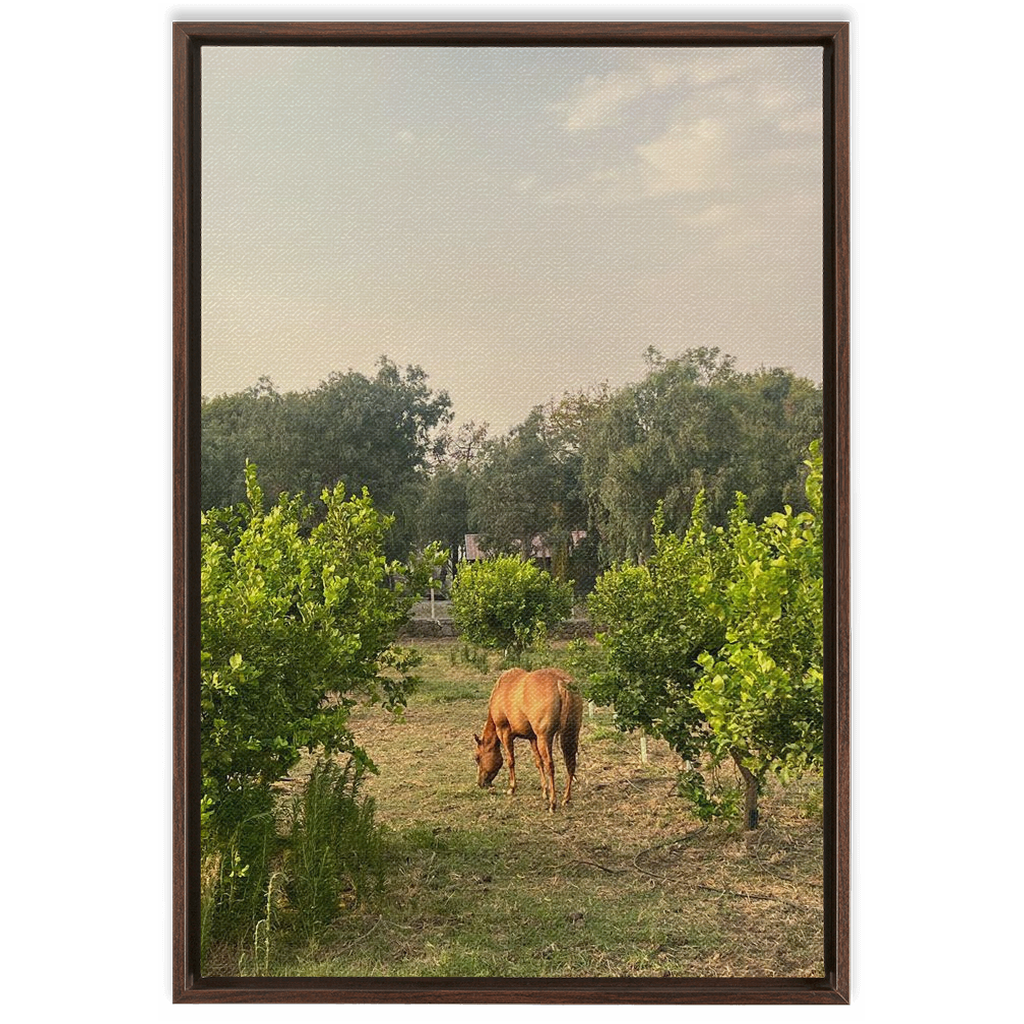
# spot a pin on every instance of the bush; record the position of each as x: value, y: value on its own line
x: 653, y: 623
x: 715, y: 644
x: 298, y: 624
x: 508, y: 604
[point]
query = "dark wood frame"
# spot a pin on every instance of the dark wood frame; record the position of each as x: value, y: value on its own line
x: 188, y: 986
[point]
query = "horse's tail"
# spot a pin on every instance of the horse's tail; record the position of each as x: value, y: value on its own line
x: 570, y: 719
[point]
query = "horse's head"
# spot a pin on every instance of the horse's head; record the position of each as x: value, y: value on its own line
x: 488, y: 760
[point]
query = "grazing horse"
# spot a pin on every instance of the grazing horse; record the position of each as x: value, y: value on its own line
x: 534, y: 706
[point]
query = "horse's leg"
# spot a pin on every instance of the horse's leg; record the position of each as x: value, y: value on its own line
x: 548, y: 760
x: 570, y: 742
x: 508, y: 741
x: 540, y: 766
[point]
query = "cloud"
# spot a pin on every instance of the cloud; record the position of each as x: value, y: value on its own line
x: 687, y: 158
x: 601, y: 101
x: 704, y: 124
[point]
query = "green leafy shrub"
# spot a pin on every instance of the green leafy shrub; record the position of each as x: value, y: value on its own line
x: 653, y: 621
x: 709, y: 798
x: 298, y: 624
x: 715, y: 644
x: 507, y: 604
x: 761, y: 693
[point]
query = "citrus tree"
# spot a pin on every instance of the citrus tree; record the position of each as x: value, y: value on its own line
x: 653, y: 623
x: 761, y: 692
x: 298, y: 624
x: 715, y: 643
x: 508, y: 604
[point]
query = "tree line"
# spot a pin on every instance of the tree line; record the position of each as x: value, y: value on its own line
x: 597, y: 462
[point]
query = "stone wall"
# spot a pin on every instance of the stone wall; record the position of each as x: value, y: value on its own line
x: 427, y: 629
x: 419, y: 628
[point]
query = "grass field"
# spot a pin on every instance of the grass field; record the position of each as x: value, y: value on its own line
x: 621, y: 882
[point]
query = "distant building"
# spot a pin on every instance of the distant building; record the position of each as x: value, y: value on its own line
x: 540, y: 553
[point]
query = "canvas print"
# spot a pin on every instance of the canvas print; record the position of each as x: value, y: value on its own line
x: 512, y: 533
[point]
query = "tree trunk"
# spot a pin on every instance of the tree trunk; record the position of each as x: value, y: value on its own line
x: 751, y: 790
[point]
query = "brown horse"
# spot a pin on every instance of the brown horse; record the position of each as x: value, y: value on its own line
x: 534, y: 706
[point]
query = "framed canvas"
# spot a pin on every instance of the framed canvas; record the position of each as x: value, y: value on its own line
x: 446, y: 281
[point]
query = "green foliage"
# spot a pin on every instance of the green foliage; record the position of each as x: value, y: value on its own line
x: 444, y: 511
x: 709, y: 799
x: 654, y: 620
x: 263, y: 931
x: 506, y: 603
x: 332, y: 855
x: 812, y: 805
x: 761, y: 693
x: 334, y: 848
x: 298, y: 625
x: 715, y: 642
x: 519, y: 489
x: 586, y: 662
x: 695, y: 424
x: 595, y: 461
x: 539, y: 654
x: 529, y: 485
x: 467, y: 654
x: 603, y: 461
x: 367, y: 431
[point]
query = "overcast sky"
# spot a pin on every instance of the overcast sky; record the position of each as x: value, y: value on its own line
x: 519, y: 222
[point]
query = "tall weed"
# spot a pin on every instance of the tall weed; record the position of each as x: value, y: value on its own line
x: 234, y: 874
x: 335, y: 849
x: 469, y: 654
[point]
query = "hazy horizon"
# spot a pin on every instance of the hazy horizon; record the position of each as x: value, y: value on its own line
x: 518, y: 222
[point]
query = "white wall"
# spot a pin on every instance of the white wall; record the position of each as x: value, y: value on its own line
x: 87, y: 537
